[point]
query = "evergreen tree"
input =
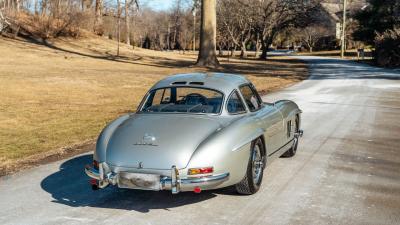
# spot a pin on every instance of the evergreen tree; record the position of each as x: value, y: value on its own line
x: 378, y: 17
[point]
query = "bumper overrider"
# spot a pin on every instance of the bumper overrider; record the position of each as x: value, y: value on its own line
x: 152, y: 181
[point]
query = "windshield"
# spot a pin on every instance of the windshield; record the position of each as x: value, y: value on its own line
x: 183, y: 100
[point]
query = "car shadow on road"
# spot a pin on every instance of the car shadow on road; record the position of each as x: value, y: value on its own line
x: 70, y: 186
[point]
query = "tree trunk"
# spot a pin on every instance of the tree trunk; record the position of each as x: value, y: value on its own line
x: 57, y: 9
x: 207, y: 54
x: 220, y: 52
x: 44, y: 7
x: 127, y: 32
x: 258, y: 45
x: 98, y: 20
x: 243, y: 51
x: 17, y: 5
x: 265, y: 43
x: 233, y: 50
x: 119, y: 24
x: 36, y: 7
x: 168, y: 37
x: 264, y: 49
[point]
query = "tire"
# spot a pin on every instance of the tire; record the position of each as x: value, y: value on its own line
x: 255, y: 170
x: 292, y: 151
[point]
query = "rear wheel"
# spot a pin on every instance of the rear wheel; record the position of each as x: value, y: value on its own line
x: 255, y: 170
x: 292, y: 151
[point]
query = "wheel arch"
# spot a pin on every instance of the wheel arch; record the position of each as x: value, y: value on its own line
x: 264, y: 145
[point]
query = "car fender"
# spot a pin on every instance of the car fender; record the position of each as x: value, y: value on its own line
x: 104, y: 137
x: 228, y: 150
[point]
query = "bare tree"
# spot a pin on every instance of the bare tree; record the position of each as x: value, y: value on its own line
x: 310, y: 35
x: 36, y: 5
x: 207, y: 54
x: 237, y: 22
x: 271, y: 16
x: 119, y: 11
x: 98, y: 20
x: 127, y: 33
x: 43, y: 7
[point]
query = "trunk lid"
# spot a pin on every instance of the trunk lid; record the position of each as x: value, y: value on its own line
x: 158, y: 141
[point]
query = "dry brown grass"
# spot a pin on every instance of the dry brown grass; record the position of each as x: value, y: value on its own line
x: 64, y: 93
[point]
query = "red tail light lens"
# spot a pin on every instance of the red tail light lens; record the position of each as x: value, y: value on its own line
x: 95, y: 164
x: 196, y: 171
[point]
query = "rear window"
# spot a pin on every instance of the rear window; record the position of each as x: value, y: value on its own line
x: 183, y: 100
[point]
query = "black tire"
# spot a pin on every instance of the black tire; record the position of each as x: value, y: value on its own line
x: 255, y: 170
x: 292, y: 151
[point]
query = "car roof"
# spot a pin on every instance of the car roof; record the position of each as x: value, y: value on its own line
x: 223, y: 82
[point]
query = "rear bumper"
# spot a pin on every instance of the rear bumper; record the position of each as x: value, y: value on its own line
x: 299, y: 133
x: 173, y: 183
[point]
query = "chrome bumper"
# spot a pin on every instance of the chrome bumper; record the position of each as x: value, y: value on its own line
x: 299, y: 133
x: 173, y: 183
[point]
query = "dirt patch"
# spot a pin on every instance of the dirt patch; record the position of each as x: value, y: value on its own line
x: 47, y: 157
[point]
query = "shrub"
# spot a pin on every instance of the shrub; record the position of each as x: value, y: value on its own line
x: 387, y: 48
x: 49, y: 26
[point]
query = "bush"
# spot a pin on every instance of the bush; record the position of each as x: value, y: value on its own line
x: 387, y: 48
x: 326, y: 43
x: 48, y: 26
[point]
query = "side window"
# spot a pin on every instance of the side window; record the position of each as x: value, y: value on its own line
x: 166, y: 98
x: 162, y: 96
x: 251, y: 97
x: 235, y: 104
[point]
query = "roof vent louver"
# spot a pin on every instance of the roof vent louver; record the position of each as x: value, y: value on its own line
x: 179, y: 83
x: 196, y: 83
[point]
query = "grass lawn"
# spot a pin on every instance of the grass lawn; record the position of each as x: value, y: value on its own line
x: 63, y: 94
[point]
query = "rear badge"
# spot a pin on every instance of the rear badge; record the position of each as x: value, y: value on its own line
x: 148, y: 139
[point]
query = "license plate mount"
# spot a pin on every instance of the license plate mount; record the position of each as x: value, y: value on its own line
x: 139, y: 181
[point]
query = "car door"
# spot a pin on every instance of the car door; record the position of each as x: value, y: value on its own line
x: 267, y: 117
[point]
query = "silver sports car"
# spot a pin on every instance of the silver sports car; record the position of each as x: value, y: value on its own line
x: 195, y: 132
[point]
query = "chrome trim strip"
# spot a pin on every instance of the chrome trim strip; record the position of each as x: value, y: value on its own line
x: 189, y: 184
x: 92, y: 173
x: 289, y: 142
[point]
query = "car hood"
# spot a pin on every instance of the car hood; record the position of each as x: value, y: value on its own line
x: 159, y: 141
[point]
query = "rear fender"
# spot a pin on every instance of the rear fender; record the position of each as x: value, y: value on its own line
x: 228, y: 150
x: 104, y: 137
x: 289, y: 109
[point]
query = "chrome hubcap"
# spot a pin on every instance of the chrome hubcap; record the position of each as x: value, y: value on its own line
x: 258, y: 164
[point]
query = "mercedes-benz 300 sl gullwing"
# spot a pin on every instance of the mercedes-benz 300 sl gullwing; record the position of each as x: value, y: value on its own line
x: 195, y: 132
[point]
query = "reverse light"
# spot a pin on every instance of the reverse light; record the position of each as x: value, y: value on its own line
x: 196, y: 171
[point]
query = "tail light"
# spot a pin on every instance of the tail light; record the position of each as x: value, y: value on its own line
x: 95, y: 164
x: 196, y: 171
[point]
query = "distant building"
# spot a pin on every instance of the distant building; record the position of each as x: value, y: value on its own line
x: 334, y: 10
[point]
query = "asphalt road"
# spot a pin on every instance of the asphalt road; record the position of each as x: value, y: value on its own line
x: 347, y: 170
